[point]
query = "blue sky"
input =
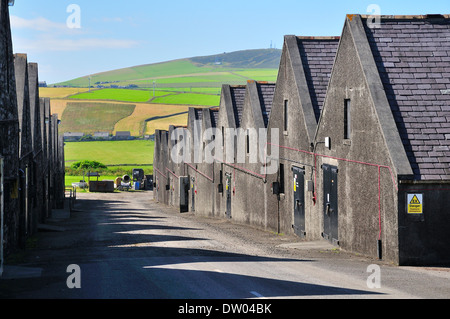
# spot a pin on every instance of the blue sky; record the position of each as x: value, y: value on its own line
x: 115, y: 34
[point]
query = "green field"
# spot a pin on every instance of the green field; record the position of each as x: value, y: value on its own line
x: 144, y: 72
x: 110, y: 152
x: 116, y: 95
x: 189, y: 99
x: 93, y: 117
x: 157, y: 96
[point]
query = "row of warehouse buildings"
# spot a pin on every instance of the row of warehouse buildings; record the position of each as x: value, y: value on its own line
x: 31, y: 151
x: 358, y: 129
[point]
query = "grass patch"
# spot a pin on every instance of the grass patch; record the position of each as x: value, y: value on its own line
x: 115, y: 95
x: 93, y: 117
x: 189, y: 99
x: 135, y: 123
x: 110, y: 152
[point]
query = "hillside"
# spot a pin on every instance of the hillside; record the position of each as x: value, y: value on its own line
x: 206, y: 71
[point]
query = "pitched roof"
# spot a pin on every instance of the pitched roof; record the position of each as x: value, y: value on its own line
x: 266, y: 92
x: 214, y: 113
x: 412, y: 54
x: 318, y: 55
x: 198, y: 113
x: 238, y: 99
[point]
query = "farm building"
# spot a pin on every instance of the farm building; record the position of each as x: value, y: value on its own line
x: 73, y: 136
x: 383, y: 177
x: 101, y: 135
x: 304, y: 73
x: 123, y: 135
x: 29, y: 151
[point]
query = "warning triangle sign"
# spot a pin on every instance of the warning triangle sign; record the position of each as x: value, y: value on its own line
x: 415, y: 200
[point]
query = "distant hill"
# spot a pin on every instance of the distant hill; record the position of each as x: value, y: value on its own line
x: 205, y: 71
x: 247, y: 59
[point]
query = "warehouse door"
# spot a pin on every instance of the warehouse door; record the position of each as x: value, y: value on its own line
x: 299, y: 201
x: 184, y: 194
x: 330, y: 203
x: 1, y: 216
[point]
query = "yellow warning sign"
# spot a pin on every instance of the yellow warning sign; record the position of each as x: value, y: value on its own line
x: 415, y: 203
x: 415, y: 200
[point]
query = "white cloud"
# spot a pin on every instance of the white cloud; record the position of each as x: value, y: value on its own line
x: 37, y: 24
x: 44, y: 35
x: 54, y: 44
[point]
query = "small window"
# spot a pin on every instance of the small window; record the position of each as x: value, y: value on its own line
x: 281, y: 178
x: 286, y: 115
x: 223, y: 137
x: 248, y: 141
x: 347, y: 120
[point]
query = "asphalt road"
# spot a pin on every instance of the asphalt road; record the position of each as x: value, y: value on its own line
x: 126, y: 246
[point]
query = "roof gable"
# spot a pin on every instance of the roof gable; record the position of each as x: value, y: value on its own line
x: 412, y: 55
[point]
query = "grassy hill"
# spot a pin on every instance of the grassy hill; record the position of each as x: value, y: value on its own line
x: 207, y: 71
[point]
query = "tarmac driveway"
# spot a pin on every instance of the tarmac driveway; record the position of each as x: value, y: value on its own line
x: 126, y: 246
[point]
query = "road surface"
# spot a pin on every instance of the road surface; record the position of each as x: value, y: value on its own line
x: 126, y: 246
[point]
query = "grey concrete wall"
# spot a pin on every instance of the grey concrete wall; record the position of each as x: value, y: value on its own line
x: 249, y: 204
x: 26, y: 148
x: 206, y: 184
x: 35, y: 113
x: 44, y: 175
x: 29, y: 144
x: 160, y: 164
x: 9, y: 130
x: 228, y: 117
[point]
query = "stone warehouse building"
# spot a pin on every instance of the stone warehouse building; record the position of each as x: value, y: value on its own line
x: 385, y: 175
x: 304, y: 74
x: 31, y: 152
x: 363, y: 150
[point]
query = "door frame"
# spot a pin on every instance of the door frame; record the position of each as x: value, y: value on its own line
x: 299, y: 224
x: 330, y: 204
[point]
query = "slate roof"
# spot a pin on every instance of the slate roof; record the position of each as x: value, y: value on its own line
x: 266, y: 92
x: 198, y: 113
x: 238, y: 99
x: 214, y: 113
x: 413, y: 58
x: 318, y: 55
